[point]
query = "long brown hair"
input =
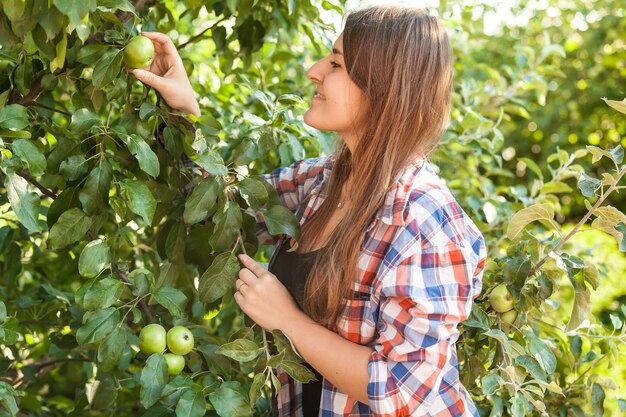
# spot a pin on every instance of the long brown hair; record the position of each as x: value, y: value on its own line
x: 401, y: 58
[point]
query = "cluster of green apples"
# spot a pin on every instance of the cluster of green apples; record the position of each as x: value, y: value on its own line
x: 154, y: 339
x: 502, y: 301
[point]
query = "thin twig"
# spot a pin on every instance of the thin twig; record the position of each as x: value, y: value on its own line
x: 580, y: 223
x: 43, y: 106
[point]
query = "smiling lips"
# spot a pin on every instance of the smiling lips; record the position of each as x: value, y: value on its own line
x: 318, y: 95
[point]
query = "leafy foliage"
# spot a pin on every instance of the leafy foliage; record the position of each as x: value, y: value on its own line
x: 103, y: 228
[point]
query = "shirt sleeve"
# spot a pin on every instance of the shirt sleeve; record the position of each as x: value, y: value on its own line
x: 422, y: 300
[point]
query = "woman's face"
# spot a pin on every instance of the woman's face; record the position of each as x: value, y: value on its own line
x: 338, y: 104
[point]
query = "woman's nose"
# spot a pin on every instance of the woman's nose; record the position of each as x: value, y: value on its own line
x: 314, y: 73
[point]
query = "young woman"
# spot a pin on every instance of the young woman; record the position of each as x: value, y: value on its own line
x: 388, y: 263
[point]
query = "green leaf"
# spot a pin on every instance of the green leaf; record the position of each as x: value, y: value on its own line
x: 25, y: 204
x: 615, y: 154
x: 140, y: 199
x: 212, y: 162
x: 148, y: 161
x: 102, y: 294
x: 76, y: 10
x: 620, y: 106
x: 111, y: 349
x: 74, y: 167
x: 91, y: 53
x: 528, y: 215
x: 298, y: 371
x: 621, y: 228
x: 191, y: 404
x: 516, y: 270
x: 588, y: 185
x: 219, y: 277
x: 202, y: 200
x: 83, y: 120
x: 172, y: 299
x: 61, y: 49
x: 580, y: 308
x: 94, y: 196
x: 7, y: 399
x: 228, y: 222
x: 14, y: 117
x: 229, y: 400
x: 491, y: 383
x: 153, y: 380
x: 94, y: 258
x: 532, y: 366
x: 555, y: 187
x: 8, y: 331
x: 597, y: 399
x: 257, y: 387
x: 539, y: 350
x: 280, y: 220
x: 27, y: 151
x: 241, y: 350
x: 253, y: 192
x: 107, y: 68
x: 70, y: 228
x: 98, y: 325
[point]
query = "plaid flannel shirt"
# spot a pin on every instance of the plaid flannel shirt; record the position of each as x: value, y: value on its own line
x: 420, y: 268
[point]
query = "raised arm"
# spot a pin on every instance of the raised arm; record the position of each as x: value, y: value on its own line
x: 167, y: 75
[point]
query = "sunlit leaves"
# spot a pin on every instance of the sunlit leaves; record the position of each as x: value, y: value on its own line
x: 24, y: 203
x: 528, y: 215
x: 620, y: 106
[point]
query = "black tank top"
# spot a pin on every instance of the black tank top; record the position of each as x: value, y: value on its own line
x: 292, y: 269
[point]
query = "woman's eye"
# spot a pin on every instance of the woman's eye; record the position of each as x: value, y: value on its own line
x: 334, y: 64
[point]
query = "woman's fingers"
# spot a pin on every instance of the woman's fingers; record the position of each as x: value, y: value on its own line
x: 151, y: 79
x: 163, y: 41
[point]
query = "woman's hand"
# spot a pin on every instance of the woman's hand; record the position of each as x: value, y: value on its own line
x: 263, y: 297
x: 167, y: 75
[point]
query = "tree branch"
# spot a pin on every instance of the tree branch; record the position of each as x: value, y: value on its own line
x: 582, y: 221
x: 199, y: 35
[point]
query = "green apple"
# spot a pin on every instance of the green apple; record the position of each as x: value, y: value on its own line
x: 180, y: 340
x: 175, y: 363
x: 152, y: 339
x: 139, y: 52
x: 501, y: 299
x: 507, y: 319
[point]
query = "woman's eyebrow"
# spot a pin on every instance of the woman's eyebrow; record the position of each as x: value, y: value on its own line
x: 337, y: 51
